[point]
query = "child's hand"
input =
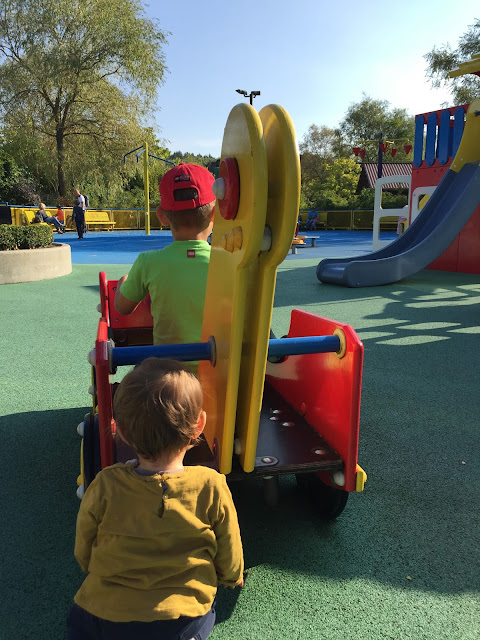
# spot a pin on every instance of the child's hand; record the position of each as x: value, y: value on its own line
x: 241, y: 584
x: 229, y: 586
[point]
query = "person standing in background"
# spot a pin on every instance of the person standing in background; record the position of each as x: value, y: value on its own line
x: 78, y: 213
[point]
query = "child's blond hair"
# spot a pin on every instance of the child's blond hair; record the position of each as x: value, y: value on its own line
x: 157, y: 406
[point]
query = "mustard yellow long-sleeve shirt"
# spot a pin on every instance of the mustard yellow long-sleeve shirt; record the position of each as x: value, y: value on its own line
x: 156, y: 547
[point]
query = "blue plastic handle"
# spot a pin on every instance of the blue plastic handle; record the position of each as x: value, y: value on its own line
x: 300, y: 346
x: 277, y: 347
x: 183, y: 352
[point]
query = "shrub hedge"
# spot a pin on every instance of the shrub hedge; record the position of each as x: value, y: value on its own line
x: 31, y: 237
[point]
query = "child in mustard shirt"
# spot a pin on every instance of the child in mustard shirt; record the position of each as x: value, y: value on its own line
x: 155, y: 538
x: 176, y: 276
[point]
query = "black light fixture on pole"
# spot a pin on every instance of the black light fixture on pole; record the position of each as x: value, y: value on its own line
x: 251, y: 95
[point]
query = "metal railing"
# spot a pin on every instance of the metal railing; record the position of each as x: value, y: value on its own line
x: 349, y: 219
x: 134, y: 219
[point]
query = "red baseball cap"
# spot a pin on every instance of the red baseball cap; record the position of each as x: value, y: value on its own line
x: 185, y: 176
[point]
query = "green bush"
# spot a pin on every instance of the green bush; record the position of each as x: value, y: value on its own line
x: 30, y: 237
x: 7, y: 238
x: 389, y: 200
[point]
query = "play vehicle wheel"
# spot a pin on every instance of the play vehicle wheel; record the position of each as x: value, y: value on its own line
x: 271, y: 493
x: 329, y: 502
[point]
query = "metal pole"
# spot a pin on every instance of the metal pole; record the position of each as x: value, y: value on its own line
x: 147, y: 191
x: 380, y: 155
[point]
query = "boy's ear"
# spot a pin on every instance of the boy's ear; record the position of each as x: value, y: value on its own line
x: 162, y: 217
x: 213, y: 209
x: 201, y: 422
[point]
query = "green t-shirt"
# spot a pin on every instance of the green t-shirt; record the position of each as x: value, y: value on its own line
x: 176, y: 279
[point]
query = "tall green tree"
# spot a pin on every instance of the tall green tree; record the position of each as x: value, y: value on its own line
x: 203, y: 160
x: 335, y: 189
x: 443, y: 59
x: 77, y: 75
x: 319, y: 147
x: 366, y: 119
x: 323, y: 142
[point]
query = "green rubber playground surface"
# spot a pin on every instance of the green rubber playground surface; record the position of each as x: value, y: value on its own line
x: 402, y: 561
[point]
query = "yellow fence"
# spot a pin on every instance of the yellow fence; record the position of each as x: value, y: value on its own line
x: 125, y: 219
x: 348, y: 219
x: 134, y: 219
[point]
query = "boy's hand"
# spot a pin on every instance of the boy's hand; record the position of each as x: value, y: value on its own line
x: 122, y: 304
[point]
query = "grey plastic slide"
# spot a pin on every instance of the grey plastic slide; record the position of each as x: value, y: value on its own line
x: 443, y: 217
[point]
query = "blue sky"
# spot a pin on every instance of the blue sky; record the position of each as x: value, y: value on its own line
x: 314, y: 58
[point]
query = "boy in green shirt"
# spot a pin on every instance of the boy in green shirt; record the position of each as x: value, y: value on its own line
x: 154, y: 537
x: 175, y: 277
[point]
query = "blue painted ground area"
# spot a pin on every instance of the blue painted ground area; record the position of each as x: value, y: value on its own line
x: 113, y: 247
x: 338, y: 244
x: 122, y: 247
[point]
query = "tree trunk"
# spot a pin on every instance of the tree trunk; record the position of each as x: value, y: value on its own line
x: 62, y: 191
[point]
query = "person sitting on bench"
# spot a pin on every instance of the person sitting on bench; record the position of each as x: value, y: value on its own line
x: 42, y: 216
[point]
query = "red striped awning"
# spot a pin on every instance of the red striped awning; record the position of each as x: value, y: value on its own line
x: 369, y: 174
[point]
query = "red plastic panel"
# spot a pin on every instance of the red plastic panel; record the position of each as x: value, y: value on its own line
x: 448, y: 260
x: 439, y: 111
x: 469, y: 245
x: 463, y: 254
x: 140, y: 318
x: 431, y: 176
x: 428, y: 176
x: 104, y: 296
x: 324, y: 387
x: 104, y: 395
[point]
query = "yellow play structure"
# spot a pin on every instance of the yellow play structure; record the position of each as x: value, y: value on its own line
x: 241, y: 284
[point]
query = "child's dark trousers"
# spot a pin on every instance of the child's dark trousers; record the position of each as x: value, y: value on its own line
x: 82, y: 625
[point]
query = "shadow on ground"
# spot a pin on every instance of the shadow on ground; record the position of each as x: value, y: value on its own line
x: 416, y: 518
x: 40, y: 461
x: 418, y: 436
